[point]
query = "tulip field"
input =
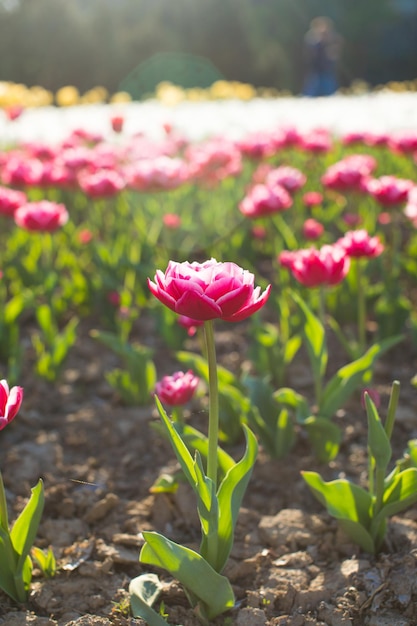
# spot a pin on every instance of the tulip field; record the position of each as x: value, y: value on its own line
x: 208, y: 359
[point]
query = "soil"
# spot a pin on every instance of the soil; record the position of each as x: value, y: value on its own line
x: 290, y: 566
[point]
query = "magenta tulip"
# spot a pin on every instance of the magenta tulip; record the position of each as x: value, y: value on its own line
x: 209, y: 290
x: 10, y: 402
x: 177, y: 389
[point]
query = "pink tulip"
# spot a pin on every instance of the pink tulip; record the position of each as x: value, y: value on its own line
x: 312, y: 199
x: 288, y: 177
x: 171, y: 221
x: 10, y: 402
x: 209, y: 290
x: 389, y: 190
x: 10, y: 200
x: 13, y: 112
x: 358, y: 243
x: 21, y: 171
x: 189, y: 324
x: 102, y: 183
x: 177, y: 389
x: 312, y: 268
x: 41, y: 216
x: 317, y: 141
x: 158, y: 173
x: 265, y: 200
x: 350, y: 173
x: 312, y: 229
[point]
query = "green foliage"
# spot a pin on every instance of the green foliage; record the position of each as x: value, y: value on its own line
x: 136, y: 382
x: 363, y: 513
x: 52, y: 345
x: 16, y: 544
x: 209, y: 592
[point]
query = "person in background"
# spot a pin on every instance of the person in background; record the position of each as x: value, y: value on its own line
x: 322, y: 45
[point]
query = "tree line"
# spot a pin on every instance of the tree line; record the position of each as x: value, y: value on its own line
x: 113, y: 43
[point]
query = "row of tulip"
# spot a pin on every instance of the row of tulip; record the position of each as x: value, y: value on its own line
x: 86, y: 223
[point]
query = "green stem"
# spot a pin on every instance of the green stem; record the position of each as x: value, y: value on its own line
x: 361, y: 307
x: 392, y: 408
x: 4, y: 521
x: 379, y: 490
x: 177, y: 415
x: 322, y: 305
x: 213, y: 429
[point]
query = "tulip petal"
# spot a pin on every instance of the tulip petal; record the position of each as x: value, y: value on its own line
x: 198, y: 306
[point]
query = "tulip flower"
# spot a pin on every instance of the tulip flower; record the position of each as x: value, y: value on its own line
x: 117, y: 122
x: 102, y: 183
x: 358, y: 244
x: 10, y: 402
x: 288, y: 177
x: 205, y: 291
x: 189, y: 324
x: 177, y: 389
x: 10, y: 200
x: 41, y: 216
x: 264, y: 200
x: 313, y: 268
x: 312, y: 229
x: 312, y: 199
x: 350, y: 173
x: 209, y: 290
x: 389, y: 190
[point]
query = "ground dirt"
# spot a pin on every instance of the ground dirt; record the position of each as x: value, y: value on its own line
x: 290, y: 566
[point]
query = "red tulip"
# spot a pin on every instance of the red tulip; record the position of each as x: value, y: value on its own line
x: 10, y: 401
x: 177, y: 389
x: 209, y: 290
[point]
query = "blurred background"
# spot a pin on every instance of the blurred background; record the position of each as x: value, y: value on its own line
x: 132, y: 45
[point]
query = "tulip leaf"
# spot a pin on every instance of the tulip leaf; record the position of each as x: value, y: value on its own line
x: 343, y: 500
x: 348, y: 378
x: 294, y: 400
x: 358, y: 534
x: 401, y: 493
x: 315, y: 337
x: 378, y: 442
x: 211, y: 591
x: 181, y: 451
x: 7, y: 581
x: 26, y: 526
x: 325, y: 437
x: 230, y: 495
x: 144, y: 591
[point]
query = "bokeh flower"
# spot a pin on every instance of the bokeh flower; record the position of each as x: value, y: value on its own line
x: 264, y: 200
x: 41, y: 216
x: 358, y: 243
x: 177, y: 389
x: 314, y: 267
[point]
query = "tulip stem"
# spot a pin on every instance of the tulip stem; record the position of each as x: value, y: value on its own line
x: 361, y: 307
x: 213, y: 429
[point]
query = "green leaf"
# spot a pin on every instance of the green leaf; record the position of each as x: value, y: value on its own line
x: 181, y: 451
x: 401, y: 494
x: 342, y: 499
x: 230, y: 495
x: 199, y: 365
x: 7, y: 558
x: 359, y: 535
x: 294, y: 400
x: 144, y: 591
x: 348, y: 378
x: 378, y: 442
x: 195, y: 440
x: 211, y: 590
x: 325, y: 437
x: 26, y: 526
x: 315, y: 338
